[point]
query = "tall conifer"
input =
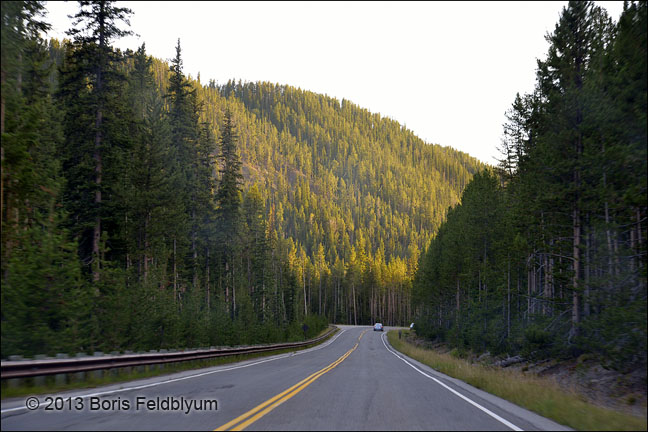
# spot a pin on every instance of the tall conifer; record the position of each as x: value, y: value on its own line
x: 95, y: 60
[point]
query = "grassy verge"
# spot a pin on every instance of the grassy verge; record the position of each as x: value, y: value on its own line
x: 533, y: 393
x: 115, y: 376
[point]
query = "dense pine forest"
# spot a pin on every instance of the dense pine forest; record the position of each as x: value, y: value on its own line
x: 143, y: 209
x: 545, y: 255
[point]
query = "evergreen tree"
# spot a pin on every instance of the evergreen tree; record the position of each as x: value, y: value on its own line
x: 257, y: 251
x: 92, y: 59
x: 228, y: 199
x: 193, y: 148
x: 43, y: 303
x: 555, y: 267
x: 150, y: 178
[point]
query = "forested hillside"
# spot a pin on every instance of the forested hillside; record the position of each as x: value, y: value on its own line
x: 142, y: 209
x: 357, y: 195
x: 545, y: 256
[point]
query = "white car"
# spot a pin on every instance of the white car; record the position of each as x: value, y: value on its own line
x: 378, y: 327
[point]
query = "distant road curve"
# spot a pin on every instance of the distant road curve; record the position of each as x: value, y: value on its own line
x: 355, y: 381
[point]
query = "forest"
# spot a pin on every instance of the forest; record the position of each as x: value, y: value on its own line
x: 143, y: 209
x: 545, y: 255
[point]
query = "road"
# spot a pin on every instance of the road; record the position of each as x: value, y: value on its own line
x: 355, y: 381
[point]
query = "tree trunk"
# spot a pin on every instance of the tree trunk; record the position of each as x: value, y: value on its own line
x: 146, y: 246
x: 304, y: 281
x: 233, y: 293
x: 96, y: 235
x: 457, y: 297
x: 586, y: 292
x: 335, y: 299
x: 517, y: 272
x: 530, y: 273
x: 227, y: 292
x: 546, y: 306
x: 508, y: 300
x: 2, y: 128
x: 175, y: 272
x: 194, y: 249
x: 355, y: 313
x: 639, y: 240
x: 608, y: 236
x: 207, y: 282
x: 371, y: 306
x: 3, y: 78
x: 576, y: 276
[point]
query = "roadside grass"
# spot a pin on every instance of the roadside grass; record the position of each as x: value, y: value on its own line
x: 28, y: 386
x: 537, y: 394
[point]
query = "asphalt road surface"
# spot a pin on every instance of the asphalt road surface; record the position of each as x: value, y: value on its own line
x: 354, y: 381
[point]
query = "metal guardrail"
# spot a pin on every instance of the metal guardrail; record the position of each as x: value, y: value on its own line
x: 31, y: 368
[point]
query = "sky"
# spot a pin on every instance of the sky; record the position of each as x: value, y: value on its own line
x: 448, y: 71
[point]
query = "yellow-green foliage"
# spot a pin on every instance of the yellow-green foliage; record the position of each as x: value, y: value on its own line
x: 540, y: 395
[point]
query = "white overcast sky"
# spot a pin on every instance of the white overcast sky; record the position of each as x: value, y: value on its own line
x: 446, y: 70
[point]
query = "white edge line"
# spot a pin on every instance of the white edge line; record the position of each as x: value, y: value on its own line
x: 187, y: 377
x: 487, y: 411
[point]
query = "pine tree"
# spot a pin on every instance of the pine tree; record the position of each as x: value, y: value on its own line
x: 228, y: 199
x: 564, y: 223
x: 149, y: 179
x: 257, y: 254
x: 20, y: 29
x: 193, y: 144
x: 94, y: 59
x: 43, y: 303
x: 563, y: 81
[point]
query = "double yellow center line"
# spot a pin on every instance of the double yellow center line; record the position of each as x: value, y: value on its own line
x: 256, y: 413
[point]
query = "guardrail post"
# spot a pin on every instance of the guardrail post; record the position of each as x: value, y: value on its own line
x: 80, y: 376
x: 173, y: 364
x: 98, y: 374
x: 163, y: 366
x: 114, y: 372
x: 15, y: 382
x: 142, y: 368
x: 60, y: 379
x: 127, y: 370
x: 152, y: 367
x: 39, y: 380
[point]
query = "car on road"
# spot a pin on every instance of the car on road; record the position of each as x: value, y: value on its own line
x: 378, y: 327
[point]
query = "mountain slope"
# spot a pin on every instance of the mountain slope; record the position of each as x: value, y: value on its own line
x: 337, y: 175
